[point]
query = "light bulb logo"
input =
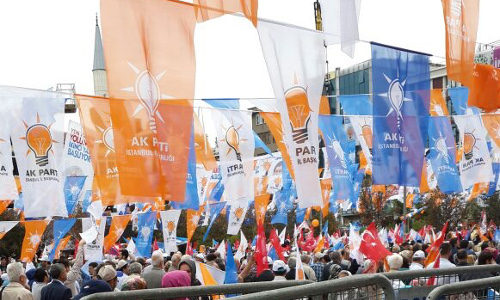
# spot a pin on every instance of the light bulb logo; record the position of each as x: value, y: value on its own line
x: 148, y: 92
x: 366, y: 132
x: 170, y: 227
x: 238, y: 213
x: 232, y: 139
x: 339, y: 153
x: 469, y: 144
x: 39, y: 141
x: 146, y: 231
x: 299, y: 113
x: 396, y: 96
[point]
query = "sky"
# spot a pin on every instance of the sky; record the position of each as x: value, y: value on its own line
x: 52, y: 41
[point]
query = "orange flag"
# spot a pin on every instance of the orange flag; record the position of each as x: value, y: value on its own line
x: 326, y: 187
x: 61, y: 246
x: 149, y: 50
x: 461, y: 20
x: 209, y: 9
x: 4, y: 205
x: 478, y: 189
x: 118, y: 225
x: 433, y: 250
x: 33, y: 236
x: 485, y: 89
x: 438, y: 104
x: 192, y: 219
x: 273, y: 121
x: 492, y: 125
x: 324, y: 106
x: 97, y: 126
x: 424, y: 183
x: 204, y: 153
x: 261, y: 203
x: 409, y: 200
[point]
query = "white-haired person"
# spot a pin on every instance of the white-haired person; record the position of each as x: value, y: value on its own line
x: 154, y: 275
x: 17, y: 289
x: 395, y: 262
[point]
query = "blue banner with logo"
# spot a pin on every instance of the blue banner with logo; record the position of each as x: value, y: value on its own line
x: 191, y: 200
x: 332, y: 130
x: 401, y: 84
x: 61, y: 228
x: 215, y: 210
x: 145, y: 225
x: 442, y: 155
x: 72, y: 190
x: 283, y: 205
x: 87, y: 199
x: 356, y: 104
x: 358, y: 184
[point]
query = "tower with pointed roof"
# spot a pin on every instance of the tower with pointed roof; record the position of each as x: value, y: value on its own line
x: 99, y: 69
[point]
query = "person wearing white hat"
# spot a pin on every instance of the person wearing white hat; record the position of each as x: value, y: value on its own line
x: 280, y: 269
x: 44, y: 262
x: 123, y: 272
x: 418, y: 260
x: 108, y: 274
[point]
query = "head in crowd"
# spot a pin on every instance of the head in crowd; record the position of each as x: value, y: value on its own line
x: 92, y: 287
x: 15, y: 273
x: 157, y: 259
x: 41, y: 275
x: 335, y: 257
x: 135, y: 268
x: 92, y: 267
x: 369, y: 266
x: 189, y: 266
x: 419, y: 257
x: 344, y: 273
x: 210, y: 257
x: 395, y: 262
x: 464, y: 244
x: 176, y: 259
x: 279, y: 268
x: 123, y: 266
x: 176, y: 279
x: 445, y: 250
x: 58, y: 271
x: 108, y: 274
x: 134, y: 283
x: 462, y: 256
x: 124, y: 254
x: 485, y: 258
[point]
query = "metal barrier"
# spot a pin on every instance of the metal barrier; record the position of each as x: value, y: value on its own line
x: 479, y: 289
x: 413, y: 284
x: 372, y: 287
x: 195, y: 291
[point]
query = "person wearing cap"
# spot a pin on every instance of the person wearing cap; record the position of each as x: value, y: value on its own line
x: 56, y: 290
x: 123, y: 272
x: 108, y: 274
x: 93, y: 287
x: 418, y: 260
x: 44, y: 262
x: 153, y: 275
x: 279, y: 269
x: 200, y: 257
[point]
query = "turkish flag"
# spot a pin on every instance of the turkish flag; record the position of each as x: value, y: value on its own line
x: 433, y: 250
x: 276, y: 244
x: 261, y: 250
x: 371, y: 246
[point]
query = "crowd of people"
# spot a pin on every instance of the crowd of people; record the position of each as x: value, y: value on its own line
x: 74, y: 278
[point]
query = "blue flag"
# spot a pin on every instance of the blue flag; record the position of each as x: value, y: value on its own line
x: 72, y: 190
x: 300, y: 213
x: 442, y: 155
x: 191, y: 199
x: 325, y: 228
x: 358, y: 184
x: 272, y: 254
x: 215, y: 210
x: 145, y: 225
x: 401, y: 84
x: 231, y: 272
x: 87, y: 199
x: 494, y: 183
x: 496, y: 236
x: 61, y: 228
x: 356, y: 104
x: 260, y: 144
x: 229, y: 103
x: 459, y: 96
x: 332, y: 130
x: 217, y: 191
x: 338, y: 246
x: 283, y: 205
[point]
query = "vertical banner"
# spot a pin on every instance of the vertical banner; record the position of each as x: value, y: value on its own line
x: 438, y: 106
x: 98, y: 129
x: 475, y: 165
x: 296, y: 64
x: 209, y: 9
x: 33, y: 236
x: 401, y: 84
x: 140, y: 39
x: 492, y: 125
x: 273, y: 121
x: 442, y: 155
x: 237, y: 214
x: 460, y: 19
x: 8, y: 188
x: 93, y: 250
x: 61, y: 228
x: 169, y: 220
x: 337, y: 158
x: 73, y: 186
x: 261, y: 203
x: 116, y: 229
x: 274, y: 175
x: 192, y: 220
x: 236, y: 151
x: 77, y: 156
x: 145, y: 226
x: 38, y: 141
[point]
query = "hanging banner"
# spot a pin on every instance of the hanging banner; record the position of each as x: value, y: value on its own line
x: 275, y: 174
x: 475, y: 165
x: 8, y: 189
x: 209, y: 9
x: 192, y: 220
x: 485, y: 88
x: 273, y: 121
x: 236, y: 150
x: 296, y: 64
x: 261, y: 203
x: 98, y: 129
x: 77, y: 156
x: 138, y: 38
x: 237, y: 214
x: 38, y: 139
x: 93, y: 250
x: 192, y: 198
x: 116, y: 229
x: 33, y: 236
x: 492, y: 125
x: 204, y: 152
x: 438, y: 106
x: 145, y: 226
x: 461, y: 19
x: 169, y: 220
x: 262, y: 165
x: 60, y: 228
x: 73, y: 186
x: 442, y: 155
x: 401, y: 84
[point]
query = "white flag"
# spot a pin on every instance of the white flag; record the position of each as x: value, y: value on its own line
x: 93, y: 250
x: 475, y: 165
x: 8, y: 189
x: 242, y: 247
x: 6, y: 226
x: 296, y: 63
x: 169, y: 220
x: 340, y: 22
x: 236, y: 151
x: 222, y: 249
x: 38, y: 139
x: 237, y: 215
x: 362, y: 126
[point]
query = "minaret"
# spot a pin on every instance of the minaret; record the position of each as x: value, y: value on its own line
x: 99, y: 69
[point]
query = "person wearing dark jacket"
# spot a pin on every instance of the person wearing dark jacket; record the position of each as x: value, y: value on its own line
x: 56, y: 290
x: 188, y: 265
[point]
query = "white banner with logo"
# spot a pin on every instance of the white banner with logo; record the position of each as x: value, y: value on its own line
x: 169, y: 220
x: 8, y: 189
x: 93, y: 250
x: 236, y: 217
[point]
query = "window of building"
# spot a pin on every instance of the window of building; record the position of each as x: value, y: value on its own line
x: 258, y: 119
x: 437, y: 83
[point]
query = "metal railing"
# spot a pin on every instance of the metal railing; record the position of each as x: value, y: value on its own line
x: 479, y: 289
x: 372, y: 287
x: 198, y: 291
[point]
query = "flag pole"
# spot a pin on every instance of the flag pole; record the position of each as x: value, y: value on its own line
x: 404, y: 209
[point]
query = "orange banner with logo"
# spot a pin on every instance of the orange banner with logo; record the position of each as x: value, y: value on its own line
x: 326, y: 187
x: 203, y: 150
x: 438, y: 104
x: 98, y: 129
x: 209, y: 9
x: 118, y: 225
x: 61, y: 246
x: 485, y: 89
x: 192, y: 217
x: 261, y: 202
x: 32, y: 237
x: 273, y: 121
x: 149, y: 50
x: 461, y: 21
x: 492, y: 125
